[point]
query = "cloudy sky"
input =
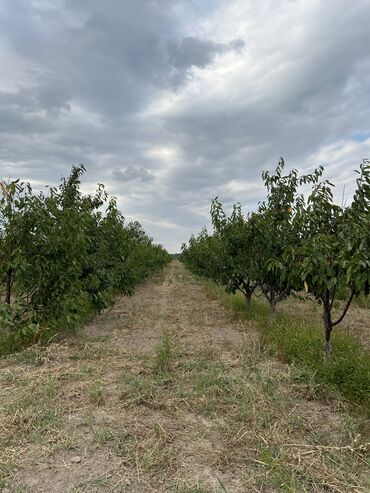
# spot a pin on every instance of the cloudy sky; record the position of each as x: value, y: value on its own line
x: 171, y: 102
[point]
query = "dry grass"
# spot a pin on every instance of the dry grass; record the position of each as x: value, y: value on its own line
x: 166, y: 393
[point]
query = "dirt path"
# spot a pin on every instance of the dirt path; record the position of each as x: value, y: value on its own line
x: 168, y: 393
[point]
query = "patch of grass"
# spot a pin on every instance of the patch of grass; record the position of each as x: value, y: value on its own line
x: 96, y: 393
x: 33, y: 413
x: 102, y: 436
x: 142, y: 389
x: 88, y: 371
x: 282, y: 470
x: 298, y: 341
x: 306, y: 377
x: 205, y: 374
x: 123, y: 445
x: 348, y: 369
x: 11, y: 377
x: 7, y: 468
x: 90, y: 485
x: 279, y: 474
x: 362, y: 301
x: 88, y: 420
x: 199, y: 488
x: 145, y: 449
x: 205, y: 359
x: 23, y: 489
x: 213, y: 382
x: 163, y: 354
x: 235, y: 389
x: 29, y: 414
x: 30, y: 356
x: 92, y: 351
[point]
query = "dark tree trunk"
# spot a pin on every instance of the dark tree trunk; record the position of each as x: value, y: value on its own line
x: 272, y: 302
x: 248, y: 298
x: 9, y: 282
x: 327, y: 324
x: 327, y: 331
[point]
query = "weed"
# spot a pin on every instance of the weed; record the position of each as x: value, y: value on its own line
x: 85, y: 486
x: 123, y: 444
x: 102, y: 436
x: 163, y: 355
x: 280, y: 475
x: 140, y: 390
x: 96, y: 393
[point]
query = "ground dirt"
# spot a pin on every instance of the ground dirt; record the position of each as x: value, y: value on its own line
x: 167, y: 392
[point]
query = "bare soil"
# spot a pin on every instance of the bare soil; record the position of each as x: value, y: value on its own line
x: 167, y: 392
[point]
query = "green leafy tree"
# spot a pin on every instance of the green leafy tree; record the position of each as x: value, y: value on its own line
x: 258, y: 249
x: 237, y: 250
x: 335, y: 248
x: 64, y: 254
x: 276, y: 233
x: 203, y: 256
x: 14, y: 197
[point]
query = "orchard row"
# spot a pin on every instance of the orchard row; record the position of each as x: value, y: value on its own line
x: 64, y: 255
x: 294, y: 243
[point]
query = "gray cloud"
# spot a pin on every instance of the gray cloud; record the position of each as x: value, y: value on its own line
x: 171, y: 102
x: 132, y: 173
x: 196, y: 52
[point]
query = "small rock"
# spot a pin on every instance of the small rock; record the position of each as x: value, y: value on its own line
x: 5, y: 490
x: 76, y: 460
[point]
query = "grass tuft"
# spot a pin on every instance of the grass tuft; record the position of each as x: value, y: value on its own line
x: 163, y: 355
x: 96, y: 393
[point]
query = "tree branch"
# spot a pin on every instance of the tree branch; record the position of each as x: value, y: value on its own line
x: 241, y: 290
x: 265, y: 293
x: 345, y: 309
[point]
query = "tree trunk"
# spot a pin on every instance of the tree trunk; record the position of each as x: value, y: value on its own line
x: 9, y: 275
x: 327, y: 326
x: 272, y: 302
x: 248, y: 299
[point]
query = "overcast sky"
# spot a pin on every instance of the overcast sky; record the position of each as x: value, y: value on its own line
x: 171, y: 102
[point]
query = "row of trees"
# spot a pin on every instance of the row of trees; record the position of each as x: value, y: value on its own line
x: 64, y: 255
x: 291, y: 243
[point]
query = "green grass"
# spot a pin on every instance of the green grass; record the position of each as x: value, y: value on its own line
x: 96, y: 484
x: 348, y: 369
x: 163, y: 355
x: 299, y: 342
x: 123, y: 444
x: 33, y: 412
x: 96, y: 393
x: 146, y: 389
x: 362, y: 301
